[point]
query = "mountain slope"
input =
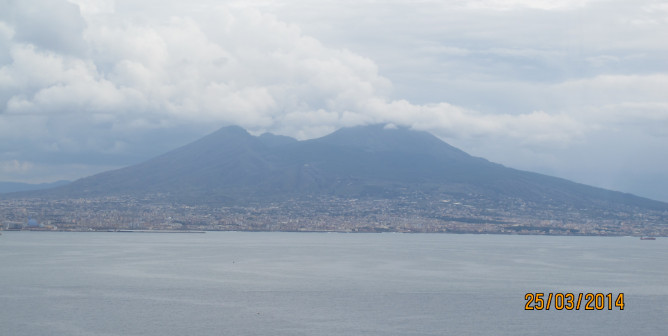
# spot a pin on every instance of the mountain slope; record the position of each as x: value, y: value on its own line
x: 232, y: 166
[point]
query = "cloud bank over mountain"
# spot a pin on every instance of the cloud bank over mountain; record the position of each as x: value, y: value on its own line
x: 571, y: 88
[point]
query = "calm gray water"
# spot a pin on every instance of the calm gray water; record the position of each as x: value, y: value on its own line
x: 232, y: 283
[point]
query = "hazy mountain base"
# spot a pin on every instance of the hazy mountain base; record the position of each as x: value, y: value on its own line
x: 9, y: 187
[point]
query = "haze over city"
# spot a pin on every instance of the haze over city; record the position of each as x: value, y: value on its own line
x: 574, y: 89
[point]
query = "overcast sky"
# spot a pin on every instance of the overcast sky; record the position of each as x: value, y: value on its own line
x: 573, y: 88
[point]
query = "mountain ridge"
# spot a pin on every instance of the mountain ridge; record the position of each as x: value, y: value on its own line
x: 233, y: 159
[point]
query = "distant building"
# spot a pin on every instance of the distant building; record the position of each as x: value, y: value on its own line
x: 34, y: 226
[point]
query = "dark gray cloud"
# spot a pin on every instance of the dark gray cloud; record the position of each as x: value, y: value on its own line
x: 50, y: 25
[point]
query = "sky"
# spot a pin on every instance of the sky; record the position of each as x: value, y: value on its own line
x: 573, y: 88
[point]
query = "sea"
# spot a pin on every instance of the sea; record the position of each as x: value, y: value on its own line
x: 274, y: 283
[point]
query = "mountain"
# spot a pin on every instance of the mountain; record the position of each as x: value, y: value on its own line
x: 395, y: 178
x: 9, y: 187
x: 230, y: 165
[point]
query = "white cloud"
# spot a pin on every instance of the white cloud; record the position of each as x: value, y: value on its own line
x: 95, y: 7
x: 541, y: 77
x: 534, y: 4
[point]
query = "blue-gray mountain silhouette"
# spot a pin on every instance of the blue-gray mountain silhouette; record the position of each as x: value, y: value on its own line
x: 231, y: 166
